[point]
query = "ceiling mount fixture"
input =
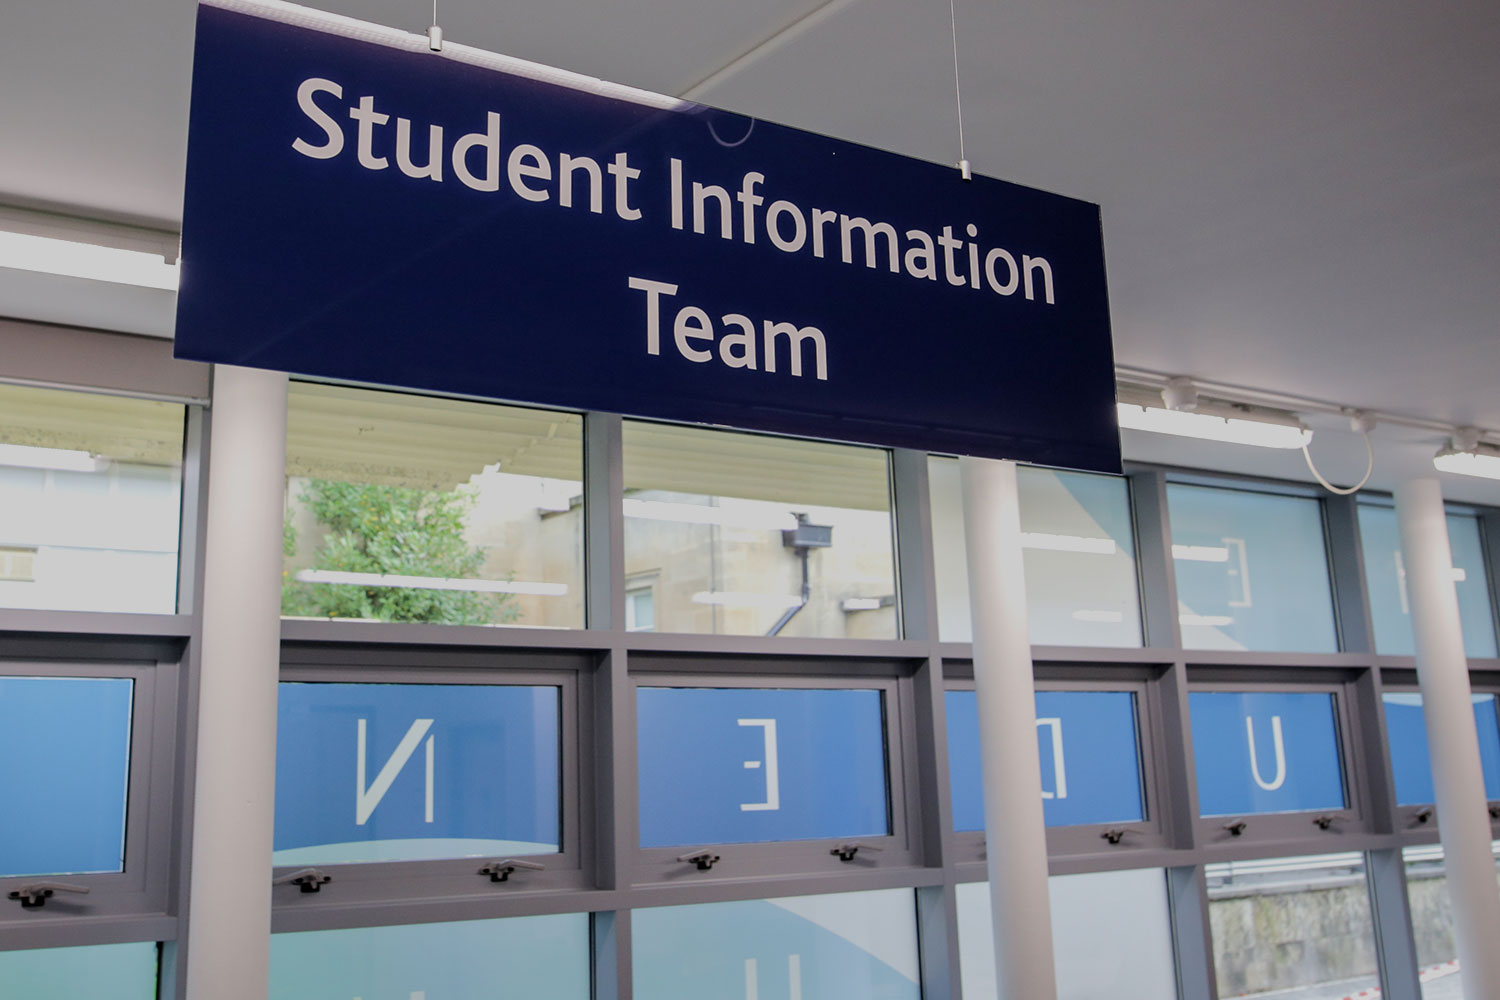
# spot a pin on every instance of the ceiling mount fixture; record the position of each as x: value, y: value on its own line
x: 1178, y: 409
x: 1467, y: 455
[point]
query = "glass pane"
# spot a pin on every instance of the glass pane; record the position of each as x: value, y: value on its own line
x: 90, y: 498
x: 113, y: 971
x: 1432, y: 921
x: 748, y: 765
x: 1079, y: 552
x: 1265, y: 752
x: 1091, y: 765
x: 1111, y: 937
x: 402, y: 772
x: 854, y: 944
x: 513, y: 958
x: 419, y: 509
x: 1411, y: 764
x: 738, y: 534
x: 1251, y: 571
x: 1385, y: 573
x: 65, y: 742
x: 1295, y: 928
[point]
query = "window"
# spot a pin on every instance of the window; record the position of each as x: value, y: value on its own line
x: 1411, y: 763
x: 420, y: 509
x: 1111, y: 937
x: 1284, y: 925
x: 856, y: 944
x: 754, y: 535
x: 640, y: 608
x: 90, y: 498
x: 1432, y: 921
x: 1079, y: 553
x: 1266, y: 752
x: 66, y: 744
x: 1252, y: 572
x: 1385, y: 575
x: 1090, y: 757
x: 513, y: 957
x: 408, y: 772
x: 762, y: 764
x: 116, y: 971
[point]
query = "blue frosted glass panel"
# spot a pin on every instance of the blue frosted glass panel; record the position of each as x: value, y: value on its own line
x: 856, y: 944
x: 1385, y: 573
x: 1090, y: 758
x: 391, y: 772
x: 93, y: 972
x: 65, y: 742
x: 1265, y: 752
x: 1411, y: 765
x: 514, y: 958
x: 1252, y: 572
x: 747, y: 765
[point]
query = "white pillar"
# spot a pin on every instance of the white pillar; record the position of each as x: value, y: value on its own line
x: 1015, y: 834
x: 229, y: 915
x: 1457, y: 776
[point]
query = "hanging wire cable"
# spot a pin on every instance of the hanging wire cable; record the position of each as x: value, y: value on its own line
x: 1340, y: 491
x: 958, y: 98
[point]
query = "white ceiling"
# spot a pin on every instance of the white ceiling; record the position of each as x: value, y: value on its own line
x: 1302, y: 196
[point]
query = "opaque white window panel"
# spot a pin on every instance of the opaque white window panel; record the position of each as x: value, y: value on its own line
x: 831, y: 947
x: 1385, y: 575
x: 1111, y: 937
x: 1079, y: 552
x: 1252, y: 571
x: 90, y: 972
x: 512, y: 958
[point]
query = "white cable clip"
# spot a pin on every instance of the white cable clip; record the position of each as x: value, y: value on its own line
x: 434, y: 33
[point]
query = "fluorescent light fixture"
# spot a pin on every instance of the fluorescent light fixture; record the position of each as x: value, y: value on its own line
x: 692, y: 513
x: 86, y: 260
x: 746, y: 599
x: 1201, y: 553
x: 1482, y: 461
x: 1212, y: 621
x: 26, y: 456
x: 532, y: 588
x: 1068, y: 543
x: 1104, y: 617
x: 1252, y: 428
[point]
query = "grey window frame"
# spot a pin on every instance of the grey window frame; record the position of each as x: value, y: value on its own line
x: 373, y: 893
x: 773, y: 860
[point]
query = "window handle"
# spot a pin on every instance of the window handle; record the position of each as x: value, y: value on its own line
x: 35, y: 895
x: 846, y: 852
x: 1423, y: 814
x: 306, y: 879
x: 1115, y: 834
x: 1236, y: 827
x: 501, y: 871
x: 1495, y: 810
x: 1324, y: 821
x: 704, y: 859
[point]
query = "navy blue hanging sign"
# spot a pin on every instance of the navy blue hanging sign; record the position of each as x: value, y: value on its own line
x: 359, y: 207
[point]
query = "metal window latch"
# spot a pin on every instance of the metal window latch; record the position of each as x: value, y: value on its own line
x: 501, y: 871
x: 704, y: 859
x: 307, y: 879
x: 1115, y: 834
x: 846, y: 852
x: 1423, y: 814
x: 35, y: 895
x: 1495, y: 810
x: 1236, y: 827
x: 1323, y: 822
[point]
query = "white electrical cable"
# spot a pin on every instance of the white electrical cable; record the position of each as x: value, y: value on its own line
x: 958, y: 99
x: 1340, y: 491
